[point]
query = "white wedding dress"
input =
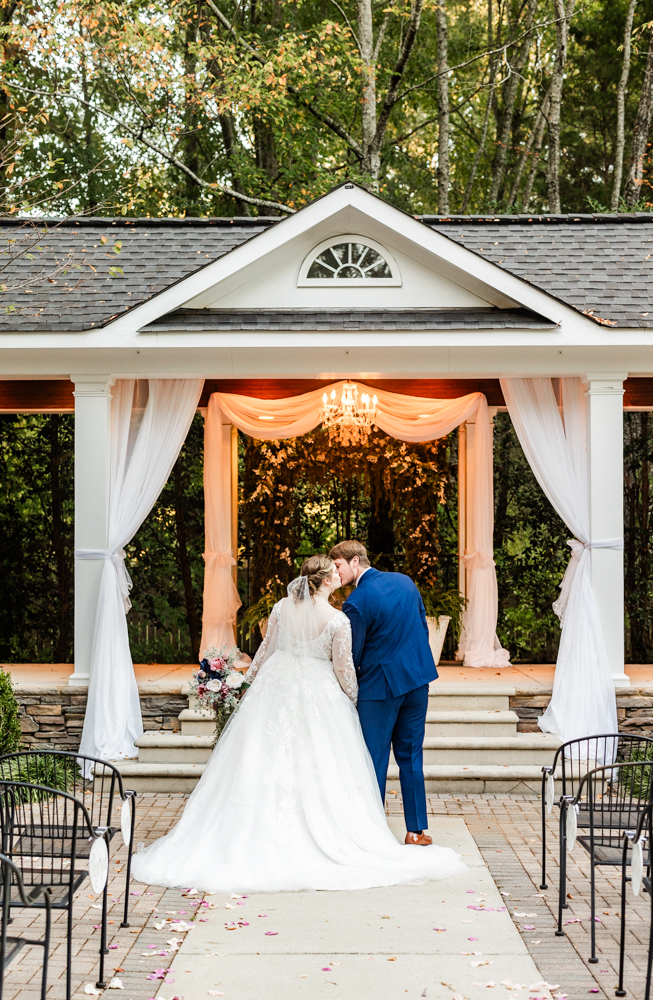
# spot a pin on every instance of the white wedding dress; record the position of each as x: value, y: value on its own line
x: 289, y: 799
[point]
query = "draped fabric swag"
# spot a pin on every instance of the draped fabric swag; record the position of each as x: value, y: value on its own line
x: 149, y: 423
x: 554, y: 442
x: 408, y: 418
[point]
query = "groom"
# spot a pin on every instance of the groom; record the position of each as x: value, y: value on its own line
x: 394, y: 666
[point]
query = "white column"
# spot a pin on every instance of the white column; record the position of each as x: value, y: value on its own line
x: 462, y: 507
x: 604, y: 395
x: 92, y: 472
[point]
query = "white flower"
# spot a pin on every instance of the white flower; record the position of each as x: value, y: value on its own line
x: 214, y: 686
x: 234, y: 681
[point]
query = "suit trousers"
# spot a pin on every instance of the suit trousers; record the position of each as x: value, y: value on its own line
x: 401, y: 722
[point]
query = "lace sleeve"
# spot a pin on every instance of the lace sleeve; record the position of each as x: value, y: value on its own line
x: 267, y: 647
x: 343, y: 663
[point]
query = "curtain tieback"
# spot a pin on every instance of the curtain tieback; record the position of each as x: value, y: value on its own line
x: 118, y: 560
x: 218, y: 559
x: 577, y: 548
x: 477, y: 560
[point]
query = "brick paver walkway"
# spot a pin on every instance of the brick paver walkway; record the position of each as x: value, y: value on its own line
x: 507, y: 831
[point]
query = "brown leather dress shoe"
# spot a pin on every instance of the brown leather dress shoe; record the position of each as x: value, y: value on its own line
x: 418, y: 839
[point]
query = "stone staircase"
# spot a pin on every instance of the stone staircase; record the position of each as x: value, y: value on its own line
x: 471, y: 745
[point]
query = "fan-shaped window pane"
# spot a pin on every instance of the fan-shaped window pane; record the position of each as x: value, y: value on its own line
x: 345, y: 261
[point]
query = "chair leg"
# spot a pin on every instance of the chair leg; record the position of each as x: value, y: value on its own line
x: 649, y: 963
x: 562, y: 881
x: 543, y: 884
x: 69, y: 949
x: 620, y: 991
x: 593, y: 959
x: 101, y: 985
x: 125, y: 921
x: 46, y: 955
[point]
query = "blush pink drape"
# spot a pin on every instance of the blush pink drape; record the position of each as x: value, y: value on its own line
x: 408, y: 418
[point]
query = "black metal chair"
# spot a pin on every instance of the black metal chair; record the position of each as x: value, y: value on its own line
x: 100, y: 794
x: 42, y: 831
x: 611, y: 800
x: 573, y: 760
x: 11, y: 945
x: 635, y: 847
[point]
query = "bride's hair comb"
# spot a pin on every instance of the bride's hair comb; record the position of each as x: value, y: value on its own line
x: 316, y: 569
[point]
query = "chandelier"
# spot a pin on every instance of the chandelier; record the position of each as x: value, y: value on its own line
x: 348, y: 421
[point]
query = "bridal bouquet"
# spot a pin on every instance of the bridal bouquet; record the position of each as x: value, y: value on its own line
x: 217, y: 684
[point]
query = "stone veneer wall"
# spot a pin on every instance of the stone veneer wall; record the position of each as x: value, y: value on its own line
x: 54, y: 716
x: 634, y: 710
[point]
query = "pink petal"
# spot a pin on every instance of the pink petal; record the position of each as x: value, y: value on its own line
x: 529, y: 927
x: 472, y: 939
x: 327, y: 969
x: 271, y: 933
x: 112, y: 946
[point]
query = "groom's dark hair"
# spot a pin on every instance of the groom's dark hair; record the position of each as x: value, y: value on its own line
x: 347, y: 550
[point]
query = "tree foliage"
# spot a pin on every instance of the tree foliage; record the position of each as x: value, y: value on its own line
x: 203, y: 107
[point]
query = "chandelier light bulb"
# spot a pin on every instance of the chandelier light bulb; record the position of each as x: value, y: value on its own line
x: 347, y: 421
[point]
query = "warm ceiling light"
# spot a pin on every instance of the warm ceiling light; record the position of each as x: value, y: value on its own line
x: 348, y: 421
x: 266, y: 418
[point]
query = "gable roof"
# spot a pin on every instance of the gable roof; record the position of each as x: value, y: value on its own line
x: 601, y: 265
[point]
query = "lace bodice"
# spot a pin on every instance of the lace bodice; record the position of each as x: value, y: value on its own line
x: 333, y: 643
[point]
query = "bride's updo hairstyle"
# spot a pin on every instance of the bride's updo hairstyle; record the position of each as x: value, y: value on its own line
x: 317, y: 569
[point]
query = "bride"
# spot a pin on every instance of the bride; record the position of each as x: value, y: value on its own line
x: 289, y: 799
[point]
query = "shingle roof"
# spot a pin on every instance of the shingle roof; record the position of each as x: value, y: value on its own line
x: 601, y: 265
x: 155, y: 253
x: 348, y: 319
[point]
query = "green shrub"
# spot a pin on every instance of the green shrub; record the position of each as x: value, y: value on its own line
x: 10, y: 732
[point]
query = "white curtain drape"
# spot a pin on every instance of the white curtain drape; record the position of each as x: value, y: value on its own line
x: 408, y: 418
x: 554, y: 441
x: 221, y: 600
x: 149, y: 424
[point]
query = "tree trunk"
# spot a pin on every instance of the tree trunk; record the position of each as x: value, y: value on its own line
x: 371, y: 164
x: 486, y: 120
x: 184, y: 564
x: 509, y: 97
x: 640, y: 131
x: 621, y: 109
x: 230, y: 146
x: 537, y: 136
x: 63, y: 645
x: 443, y: 107
x: 563, y: 14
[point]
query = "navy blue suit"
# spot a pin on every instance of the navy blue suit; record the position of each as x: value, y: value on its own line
x: 394, y: 666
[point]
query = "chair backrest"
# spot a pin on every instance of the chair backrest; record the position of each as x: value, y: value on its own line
x: 576, y: 757
x: 40, y: 829
x: 65, y: 771
x: 614, y: 797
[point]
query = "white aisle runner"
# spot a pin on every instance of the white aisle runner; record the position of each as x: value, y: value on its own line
x: 378, y: 944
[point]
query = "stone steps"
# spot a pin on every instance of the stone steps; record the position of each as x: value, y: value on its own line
x: 477, y: 723
x: 471, y: 745
x: 521, y: 778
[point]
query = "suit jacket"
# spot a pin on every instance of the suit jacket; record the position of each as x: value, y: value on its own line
x: 390, y: 635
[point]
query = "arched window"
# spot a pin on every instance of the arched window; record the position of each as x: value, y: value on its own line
x: 351, y: 261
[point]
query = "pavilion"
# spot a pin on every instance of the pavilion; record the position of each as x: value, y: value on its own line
x: 269, y: 308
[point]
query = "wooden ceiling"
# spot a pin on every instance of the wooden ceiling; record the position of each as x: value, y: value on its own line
x: 56, y: 396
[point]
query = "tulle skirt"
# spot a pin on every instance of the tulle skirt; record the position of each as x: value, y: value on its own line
x: 289, y: 800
